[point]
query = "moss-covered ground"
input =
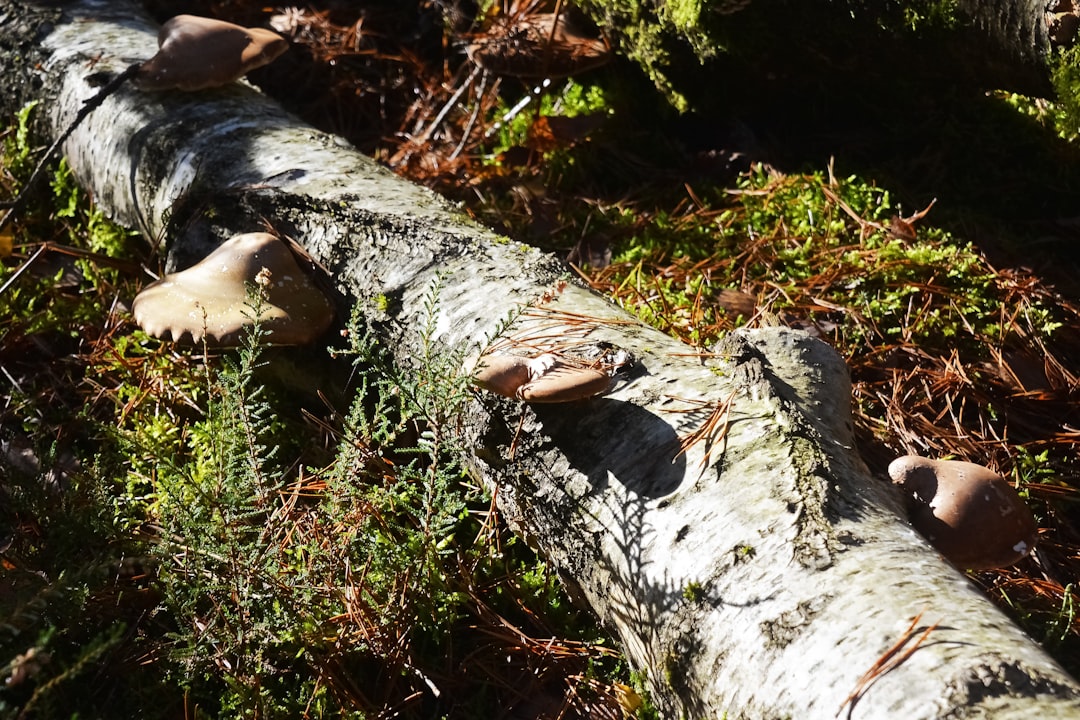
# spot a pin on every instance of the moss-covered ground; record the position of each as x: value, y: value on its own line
x: 924, y: 226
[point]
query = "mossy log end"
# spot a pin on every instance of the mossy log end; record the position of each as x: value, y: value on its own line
x: 759, y: 571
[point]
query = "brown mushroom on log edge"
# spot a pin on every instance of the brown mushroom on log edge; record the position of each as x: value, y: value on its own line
x: 542, y: 379
x: 969, y: 513
x: 196, y: 53
x: 213, y: 297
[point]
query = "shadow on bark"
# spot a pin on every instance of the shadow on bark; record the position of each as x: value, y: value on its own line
x: 596, y: 446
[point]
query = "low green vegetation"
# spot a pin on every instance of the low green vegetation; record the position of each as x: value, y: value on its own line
x: 1066, y: 112
x: 831, y: 252
x: 184, y: 535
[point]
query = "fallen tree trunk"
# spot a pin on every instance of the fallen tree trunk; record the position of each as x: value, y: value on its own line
x: 712, y: 511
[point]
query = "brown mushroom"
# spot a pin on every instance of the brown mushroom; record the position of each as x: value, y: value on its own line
x: 195, y: 53
x: 543, y: 379
x: 970, y: 514
x: 501, y: 374
x: 213, y: 296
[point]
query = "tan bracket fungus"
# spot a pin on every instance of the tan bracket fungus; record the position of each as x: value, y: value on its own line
x: 969, y: 513
x: 195, y: 53
x: 543, y: 379
x: 212, y: 296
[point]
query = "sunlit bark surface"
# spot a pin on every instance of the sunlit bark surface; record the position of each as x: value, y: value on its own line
x: 711, y: 510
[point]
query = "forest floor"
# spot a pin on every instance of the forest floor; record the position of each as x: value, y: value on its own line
x: 927, y: 234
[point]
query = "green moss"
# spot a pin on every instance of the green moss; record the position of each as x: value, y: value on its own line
x: 686, y: 18
x: 693, y: 592
x: 645, y: 711
x: 683, y: 13
x: 803, y: 234
x: 1066, y: 79
x: 642, y: 36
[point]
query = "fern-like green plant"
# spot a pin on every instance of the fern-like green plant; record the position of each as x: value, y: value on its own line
x: 407, y: 414
x: 278, y: 582
x: 219, y: 562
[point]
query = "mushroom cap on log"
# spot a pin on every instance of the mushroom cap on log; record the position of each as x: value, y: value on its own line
x: 213, y: 296
x: 969, y: 513
x: 195, y: 53
x: 561, y: 382
x: 501, y: 374
x: 542, y: 379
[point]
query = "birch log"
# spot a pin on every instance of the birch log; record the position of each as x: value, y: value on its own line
x: 712, y: 511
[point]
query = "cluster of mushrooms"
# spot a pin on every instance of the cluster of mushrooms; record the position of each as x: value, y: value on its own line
x: 970, y: 514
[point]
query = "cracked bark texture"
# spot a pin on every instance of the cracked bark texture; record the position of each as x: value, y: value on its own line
x: 758, y: 574
x: 1020, y: 28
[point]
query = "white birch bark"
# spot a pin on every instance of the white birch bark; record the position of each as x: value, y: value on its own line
x: 760, y: 574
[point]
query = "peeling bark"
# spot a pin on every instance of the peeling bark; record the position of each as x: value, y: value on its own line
x: 759, y: 572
